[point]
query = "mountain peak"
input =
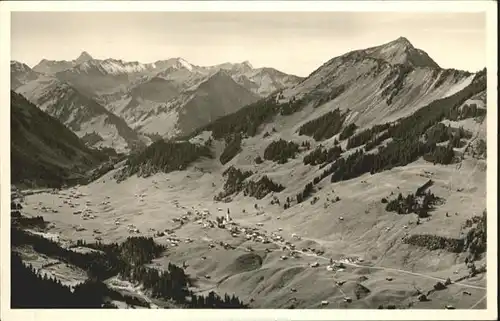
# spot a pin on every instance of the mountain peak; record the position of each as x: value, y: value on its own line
x: 84, y: 56
x: 402, y: 41
x: 400, y: 44
x: 182, y: 63
x: 401, y: 52
x: 19, y: 66
x: 247, y: 64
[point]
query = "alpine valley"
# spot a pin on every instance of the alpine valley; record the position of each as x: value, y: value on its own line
x: 171, y: 185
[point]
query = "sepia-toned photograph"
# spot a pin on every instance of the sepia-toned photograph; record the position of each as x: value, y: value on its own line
x: 214, y: 159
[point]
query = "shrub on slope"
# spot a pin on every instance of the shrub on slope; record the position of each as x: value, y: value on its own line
x: 280, y: 151
x: 320, y: 155
x: 259, y: 189
x: 348, y: 131
x: 236, y: 182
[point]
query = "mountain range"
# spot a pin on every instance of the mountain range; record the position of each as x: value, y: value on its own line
x: 362, y: 185
x: 123, y: 104
x: 127, y: 105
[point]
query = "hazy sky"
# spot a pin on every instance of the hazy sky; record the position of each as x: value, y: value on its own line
x: 295, y: 42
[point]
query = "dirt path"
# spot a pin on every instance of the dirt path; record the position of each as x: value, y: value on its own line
x: 395, y: 270
x: 480, y: 300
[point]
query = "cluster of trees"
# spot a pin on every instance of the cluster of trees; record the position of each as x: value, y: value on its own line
x: 137, y: 250
x: 366, y: 135
x: 377, y: 140
x: 169, y: 284
x: 32, y: 291
x: 126, y: 259
x: 436, y: 242
x: 234, y: 182
x: 15, y: 206
x: 480, y: 148
x: 436, y: 111
x: 438, y: 133
x: 348, y: 131
x: 441, y: 133
x: 233, y: 147
x: 325, y: 126
x: 15, y: 215
x: 259, y: 189
x: 293, y: 106
x: 97, y: 265
x: 419, y: 204
x: 280, y: 151
x: 320, y: 155
x: 305, y: 145
x: 468, y: 111
x: 21, y: 221
x: 308, y: 190
x: 245, y: 121
x: 396, y: 153
x: 441, y: 154
x: 474, y: 241
x: 421, y: 190
x: 105, y: 167
x: 214, y: 301
x: 163, y: 156
x: 406, y: 145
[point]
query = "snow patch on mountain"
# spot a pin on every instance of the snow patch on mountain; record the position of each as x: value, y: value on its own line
x: 111, y: 66
x: 119, y: 67
x: 185, y: 64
